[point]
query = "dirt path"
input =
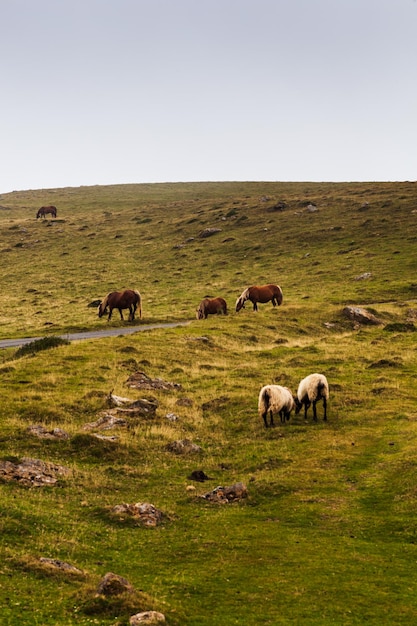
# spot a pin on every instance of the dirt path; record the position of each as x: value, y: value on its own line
x: 92, y: 334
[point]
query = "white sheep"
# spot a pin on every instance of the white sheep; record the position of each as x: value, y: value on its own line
x: 310, y: 390
x: 274, y: 399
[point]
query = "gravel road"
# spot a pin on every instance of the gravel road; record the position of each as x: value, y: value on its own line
x: 92, y: 334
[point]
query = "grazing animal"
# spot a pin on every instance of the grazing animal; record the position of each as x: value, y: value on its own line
x: 127, y: 299
x: 46, y: 209
x: 310, y: 390
x: 263, y: 294
x: 211, y: 306
x: 275, y: 400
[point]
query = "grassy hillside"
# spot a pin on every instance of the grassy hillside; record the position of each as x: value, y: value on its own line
x: 327, y: 533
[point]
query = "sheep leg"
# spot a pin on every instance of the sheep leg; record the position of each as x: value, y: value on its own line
x: 282, y: 416
x: 325, y: 409
x: 264, y: 418
x: 272, y: 418
x: 315, y: 410
x: 306, y: 405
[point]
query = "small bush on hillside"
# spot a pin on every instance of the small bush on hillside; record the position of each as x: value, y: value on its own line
x: 41, y: 344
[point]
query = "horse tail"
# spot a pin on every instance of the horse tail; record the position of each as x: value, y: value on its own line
x: 103, y: 306
x: 139, y: 302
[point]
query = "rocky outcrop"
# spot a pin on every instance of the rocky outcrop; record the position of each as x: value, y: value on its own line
x: 114, y: 585
x: 183, y: 446
x: 360, y: 315
x: 223, y: 495
x: 144, y: 513
x: 32, y: 472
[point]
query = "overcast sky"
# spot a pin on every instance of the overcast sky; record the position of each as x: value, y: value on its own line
x: 98, y: 92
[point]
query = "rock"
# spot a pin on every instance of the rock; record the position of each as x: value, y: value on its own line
x: 140, y: 380
x: 148, y: 617
x: 140, y: 408
x: 106, y: 422
x: 199, y: 476
x: 40, y: 431
x: 208, y: 232
x: 144, y: 513
x: 94, y: 304
x: 183, y: 446
x: 114, y: 400
x: 223, y: 495
x: 172, y: 417
x: 360, y: 315
x: 364, y: 276
x: 32, y: 472
x: 114, y: 585
x: 111, y: 438
x: 62, y: 566
x: 279, y: 206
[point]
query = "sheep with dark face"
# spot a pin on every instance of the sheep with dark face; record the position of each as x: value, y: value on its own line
x: 311, y: 390
x: 275, y: 400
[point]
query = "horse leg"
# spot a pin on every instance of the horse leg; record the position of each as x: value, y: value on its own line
x: 121, y: 314
x: 110, y: 314
x: 255, y: 306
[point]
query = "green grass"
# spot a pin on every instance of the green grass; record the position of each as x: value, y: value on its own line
x: 327, y: 534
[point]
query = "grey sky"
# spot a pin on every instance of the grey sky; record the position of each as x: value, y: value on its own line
x: 131, y: 91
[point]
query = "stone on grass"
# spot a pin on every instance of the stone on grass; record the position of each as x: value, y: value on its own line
x: 144, y: 513
x: 32, y: 472
x: 62, y: 566
x: 360, y: 315
x: 40, y: 431
x: 222, y: 495
x: 114, y: 585
x: 183, y: 446
x: 147, y: 617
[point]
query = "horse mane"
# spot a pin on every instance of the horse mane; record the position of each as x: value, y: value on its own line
x: 103, y: 304
x: 244, y: 295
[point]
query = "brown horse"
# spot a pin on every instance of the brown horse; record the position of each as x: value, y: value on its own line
x: 127, y: 299
x: 46, y: 209
x: 263, y: 294
x: 211, y: 306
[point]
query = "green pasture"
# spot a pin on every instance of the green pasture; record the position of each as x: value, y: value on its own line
x: 328, y: 532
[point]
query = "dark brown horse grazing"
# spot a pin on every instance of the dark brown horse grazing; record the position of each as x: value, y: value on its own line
x: 263, y: 294
x: 46, y: 209
x: 127, y: 299
x: 211, y: 306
